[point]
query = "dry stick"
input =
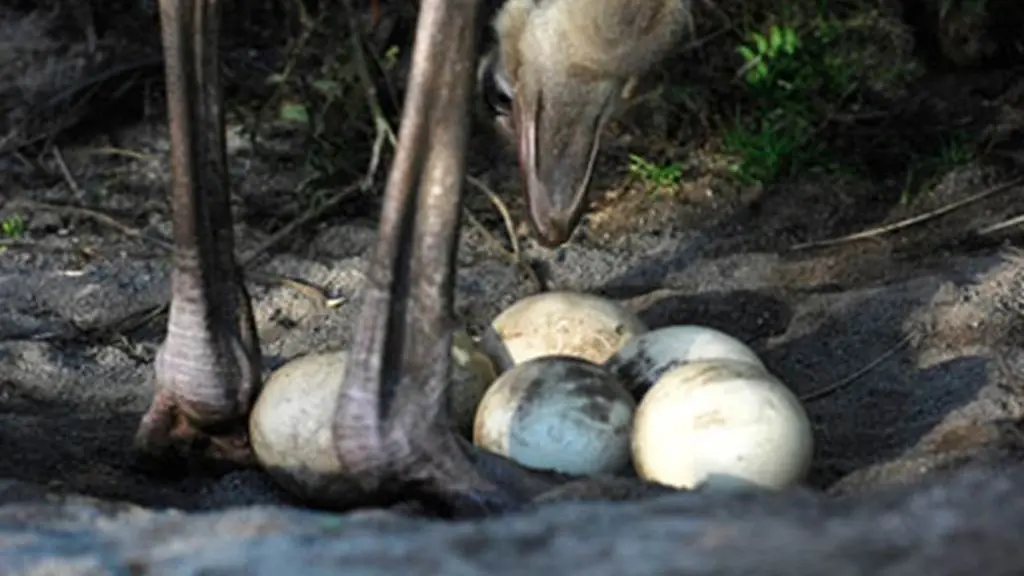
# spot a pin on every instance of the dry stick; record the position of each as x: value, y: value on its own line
x: 99, y: 217
x: 516, y: 255
x: 114, y: 151
x: 502, y: 209
x: 1010, y: 223
x: 512, y: 258
x: 908, y: 222
x: 840, y: 384
x: 66, y: 172
x: 307, y: 289
x: 382, y: 129
x: 6, y: 243
x: 384, y: 133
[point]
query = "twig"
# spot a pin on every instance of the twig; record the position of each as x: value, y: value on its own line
x: 99, y: 217
x: 839, y: 385
x: 908, y: 222
x: 516, y: 255
x: 66, y: 172
x: 380, y: 123
x: 315, y: 293
x: 512, y: 258
x: 19, y: 243
x: 1010, y: 223
x: 30, y: 165
x: 499, y: 205
x: 10, y: 243
x: 384, y: 133
x: 134, y: 320
x: 112, y: 151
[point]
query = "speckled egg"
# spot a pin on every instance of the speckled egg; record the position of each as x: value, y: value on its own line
x: 559, y: 323
x: 557, y: 413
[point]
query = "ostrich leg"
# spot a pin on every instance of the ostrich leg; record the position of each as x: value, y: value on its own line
x: 207, y: 370
x: 392, y: 429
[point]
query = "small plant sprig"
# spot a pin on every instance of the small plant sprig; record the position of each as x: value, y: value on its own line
x: 653, y: 174
x: 12, y: 227
x: 765, y: 50
x: 793, y: 87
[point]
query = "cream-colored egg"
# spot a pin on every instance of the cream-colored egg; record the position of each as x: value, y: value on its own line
x: 557, y: 413
x: 643, y: 359
x: 724, y: 424
x: 472, y: 373
x: 291, y: 424
x: 559, y: 323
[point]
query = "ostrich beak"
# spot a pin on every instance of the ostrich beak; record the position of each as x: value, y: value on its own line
x: 558, y: 137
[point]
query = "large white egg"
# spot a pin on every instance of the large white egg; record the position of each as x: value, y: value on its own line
x: 724, y: 424
x: 291, y: 424
x: 557, y: 413
x: 559, y: 323
x: 644, y: 358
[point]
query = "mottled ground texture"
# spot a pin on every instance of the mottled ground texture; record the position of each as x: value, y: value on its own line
x: 907, y: 347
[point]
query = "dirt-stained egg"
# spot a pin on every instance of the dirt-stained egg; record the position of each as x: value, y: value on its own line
x: 645, y: 357
x: 557, y: 413
x: 725, y: 424
x: 291, y: 424
x: 559, y: 323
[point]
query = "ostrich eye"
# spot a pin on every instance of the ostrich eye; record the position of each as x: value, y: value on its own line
x: 495, y: 86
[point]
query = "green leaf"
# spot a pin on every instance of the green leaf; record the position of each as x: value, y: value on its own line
x: 775, y: 40
x: 327, y: 87
x: 791, y: 41
x: 295, y: 113
x: 761, y: 42
x: 747, y: 53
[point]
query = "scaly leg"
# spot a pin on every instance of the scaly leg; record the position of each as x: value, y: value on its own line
x: 208, y: 369
x: 392, y: 429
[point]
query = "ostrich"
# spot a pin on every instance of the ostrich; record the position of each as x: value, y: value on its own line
x: 564, y: 65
